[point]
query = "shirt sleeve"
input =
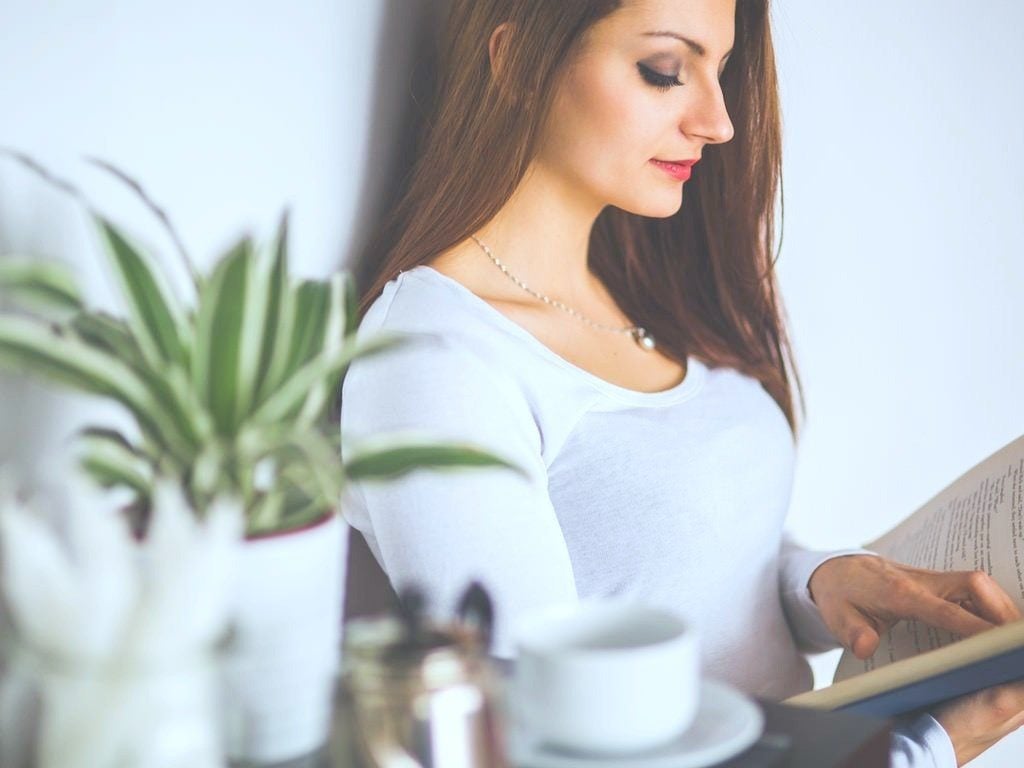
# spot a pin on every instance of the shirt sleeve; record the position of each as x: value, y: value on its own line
x: 923, y: 743
x: 441, y: 528
x: 796, y: 565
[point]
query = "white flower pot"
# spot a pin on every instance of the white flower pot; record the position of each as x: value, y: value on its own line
x: 280, y: 668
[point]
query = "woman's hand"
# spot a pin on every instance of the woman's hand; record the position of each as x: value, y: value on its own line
x: 978, y: 720
x: 862, y: 596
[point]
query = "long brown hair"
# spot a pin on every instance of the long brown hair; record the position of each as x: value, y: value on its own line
x: 702, y: 281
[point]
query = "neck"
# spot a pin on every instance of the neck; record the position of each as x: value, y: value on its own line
x: 542, y: 236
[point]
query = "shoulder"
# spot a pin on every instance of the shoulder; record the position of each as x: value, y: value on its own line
x: 466, y: 265
x: 436, y: 334
x: 447, y: 320
x: 419, y: 300
x: 438, y: 374
x: 435, y: 387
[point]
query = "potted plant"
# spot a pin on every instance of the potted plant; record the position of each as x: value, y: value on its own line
x: 230, y: 391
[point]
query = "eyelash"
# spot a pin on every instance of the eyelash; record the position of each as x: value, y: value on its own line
x: 658, y: 80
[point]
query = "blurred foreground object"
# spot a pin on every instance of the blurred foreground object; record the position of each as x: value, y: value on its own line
x: 230, y: 389
x: 417, y: 693
x: 112, y: 658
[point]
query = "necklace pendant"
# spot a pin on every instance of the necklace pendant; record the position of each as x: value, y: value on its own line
x: 645, y: 340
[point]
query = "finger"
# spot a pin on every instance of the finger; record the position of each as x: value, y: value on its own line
x: 990, y: 599
x: 976, y: 591
x: 918, y: 603
x: 860, y: 634
x: 864, y: 643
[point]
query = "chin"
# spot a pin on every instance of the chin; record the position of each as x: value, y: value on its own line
x: 655, y: 209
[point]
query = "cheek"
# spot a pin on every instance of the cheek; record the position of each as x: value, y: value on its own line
x: 604, y: 126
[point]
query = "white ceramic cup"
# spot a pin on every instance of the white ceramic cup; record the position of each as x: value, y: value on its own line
x: 605, y: 676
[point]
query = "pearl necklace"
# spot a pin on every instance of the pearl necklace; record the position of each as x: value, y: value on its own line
x: 640, y: 336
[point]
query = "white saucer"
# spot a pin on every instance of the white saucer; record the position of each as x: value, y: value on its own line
x: 727, y: 722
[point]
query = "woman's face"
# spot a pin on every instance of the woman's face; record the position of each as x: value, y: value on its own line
x: 631, y: 97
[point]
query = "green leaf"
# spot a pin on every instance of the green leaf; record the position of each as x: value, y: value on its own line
x: 44, y: 286
x: 351, y: 304
x: 107, y: 474
x: 207, y: 476
x: 333, y: 340
x: 307, y: 471
x: 406, y: 456
x: 113, y: 461
x: 323, y: 463
x: 45, y: 350
x: 266, y: 512
x: 155, y: 318
x: 284, y: 403
x: 288, y: 508
x: 153, y: 207
x: 279, y: 352
x: 283, y: 442
x: 108, y: 435
x: 312, y: 302
x: 219, y: 336
x: 174, y: 395
x: 62, y: 358
x: 109, y: 334
x: 297, y: 514
x: 253, y: 330
x: 278, y: 307
x: 169, y: 387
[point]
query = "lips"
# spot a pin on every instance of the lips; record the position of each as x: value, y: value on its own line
x: 678, y: 170
x: 687, y: 163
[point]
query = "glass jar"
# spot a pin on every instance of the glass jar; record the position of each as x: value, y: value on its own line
x: 59, y: 713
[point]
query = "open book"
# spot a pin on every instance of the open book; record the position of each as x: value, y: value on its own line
x: 975, y: 523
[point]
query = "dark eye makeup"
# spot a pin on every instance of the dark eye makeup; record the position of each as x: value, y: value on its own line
x: 658, y: 80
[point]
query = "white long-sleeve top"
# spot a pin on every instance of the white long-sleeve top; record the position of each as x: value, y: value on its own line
x: 677, y: 498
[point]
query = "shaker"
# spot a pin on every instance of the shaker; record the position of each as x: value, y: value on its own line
x: 421, y: 694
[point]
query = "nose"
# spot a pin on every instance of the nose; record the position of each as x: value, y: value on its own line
x: 705, y: 113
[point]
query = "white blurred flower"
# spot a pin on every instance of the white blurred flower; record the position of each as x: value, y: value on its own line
x: 108, y: 619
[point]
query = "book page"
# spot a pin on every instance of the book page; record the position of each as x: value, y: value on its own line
x: 975, y: 523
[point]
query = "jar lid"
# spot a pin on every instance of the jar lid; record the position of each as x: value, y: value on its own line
x: 408, y: 645
x: 379, y: 649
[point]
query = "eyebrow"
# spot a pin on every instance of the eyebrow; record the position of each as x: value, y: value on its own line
x: 693, y: 44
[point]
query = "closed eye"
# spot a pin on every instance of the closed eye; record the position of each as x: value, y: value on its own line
x: 658, y: 80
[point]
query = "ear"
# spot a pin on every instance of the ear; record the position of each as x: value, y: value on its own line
x: 497, y: 47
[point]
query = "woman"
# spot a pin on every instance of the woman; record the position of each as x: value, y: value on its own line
x: 609, y: 321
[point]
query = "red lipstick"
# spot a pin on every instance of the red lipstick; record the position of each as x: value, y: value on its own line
x: 678, y: 169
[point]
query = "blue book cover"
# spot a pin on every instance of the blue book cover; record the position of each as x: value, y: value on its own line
x: 1001, y: 668
x: 901, y: 687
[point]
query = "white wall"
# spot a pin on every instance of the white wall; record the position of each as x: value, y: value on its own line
x: 226, y: 112
x: 903, y: 221
x: 902, y: 255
